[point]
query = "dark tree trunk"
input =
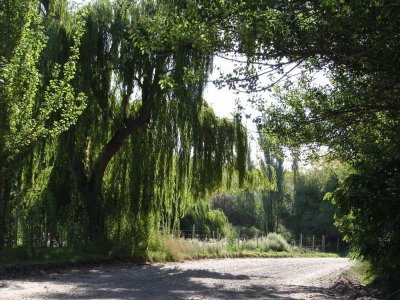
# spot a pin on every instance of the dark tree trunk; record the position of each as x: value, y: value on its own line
x: 90, y: 187
x: 5, y: 211
x: 91, y: 198
x: 3, y: 208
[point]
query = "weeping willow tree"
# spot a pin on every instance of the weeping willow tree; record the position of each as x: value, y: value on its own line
x: 147, y: 147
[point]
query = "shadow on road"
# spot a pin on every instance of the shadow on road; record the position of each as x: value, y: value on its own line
x: 158, y: 282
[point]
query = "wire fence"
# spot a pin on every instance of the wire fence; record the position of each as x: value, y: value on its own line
x: 197, y: 234
x: 311, y: 242
x: 323, y: 243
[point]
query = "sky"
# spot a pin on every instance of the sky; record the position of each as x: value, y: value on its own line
x: 223, y: 101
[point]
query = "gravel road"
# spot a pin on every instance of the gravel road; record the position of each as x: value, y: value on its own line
x: 256, y: 278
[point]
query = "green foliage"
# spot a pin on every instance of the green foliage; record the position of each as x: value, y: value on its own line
x: 25, y: 255
x: 207, y: 221
x: 248, y: 232
x: 167, y: 147
x: 245, y: 206
x: 105, y: 137
x: 33, y: 106
x: 250, y: 209
x: 275, y: 242
x: 217, y: 220
x: 355, y: 45
x: 363, y: 271
x: 272, y: 199
x: 243, y: 209
x: 306, y: 211
x: 372, y: 233
x: 29, y: 116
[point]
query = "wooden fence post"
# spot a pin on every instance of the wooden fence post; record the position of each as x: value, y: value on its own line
x: 257, y: 238
x: 323, y: 243
x: 193, y: 231
x: 313, y: 242
x: 338, y: 244
x: 301, y: 240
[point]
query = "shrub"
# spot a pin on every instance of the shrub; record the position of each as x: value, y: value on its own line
x: 275, y: 242
x: 170, y: 248
x: 249, y: 232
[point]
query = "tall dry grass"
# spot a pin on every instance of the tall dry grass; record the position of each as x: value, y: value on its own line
x: 170, y: 248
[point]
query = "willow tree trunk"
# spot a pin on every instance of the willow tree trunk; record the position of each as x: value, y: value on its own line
x: 90, y: 187
x: 5, y: 217
x: 90, y: 196
x: 3, y: 207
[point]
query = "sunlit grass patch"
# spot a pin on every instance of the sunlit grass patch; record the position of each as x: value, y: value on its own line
x: 170, y: 248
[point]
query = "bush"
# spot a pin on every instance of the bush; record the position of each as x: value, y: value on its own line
x: 275, y: 242
x: 368, y: 214
x: 272, y: 242
x: 170, y: 248
x: 206, y: 221
x: 250, y: 245
x: 249, y: 232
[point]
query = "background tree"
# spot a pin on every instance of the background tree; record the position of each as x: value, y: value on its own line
x: 273, y: 167
x: 307, y: 211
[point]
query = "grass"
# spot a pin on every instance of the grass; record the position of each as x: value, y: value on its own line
x: 169, y: 248
x: 362, y: 271
x: 166, y: 248
x: 26, y: 256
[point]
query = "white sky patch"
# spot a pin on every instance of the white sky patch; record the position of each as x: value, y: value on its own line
x: 223, y: 101
x: 76, y: 4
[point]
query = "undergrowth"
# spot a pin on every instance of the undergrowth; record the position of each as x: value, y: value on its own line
x: 165, y: 248
x: 25, y: 255
x: 170, y: 248
x: 368, y: 276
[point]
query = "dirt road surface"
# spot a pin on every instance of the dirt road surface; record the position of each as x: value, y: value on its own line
x: 255, y: 278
